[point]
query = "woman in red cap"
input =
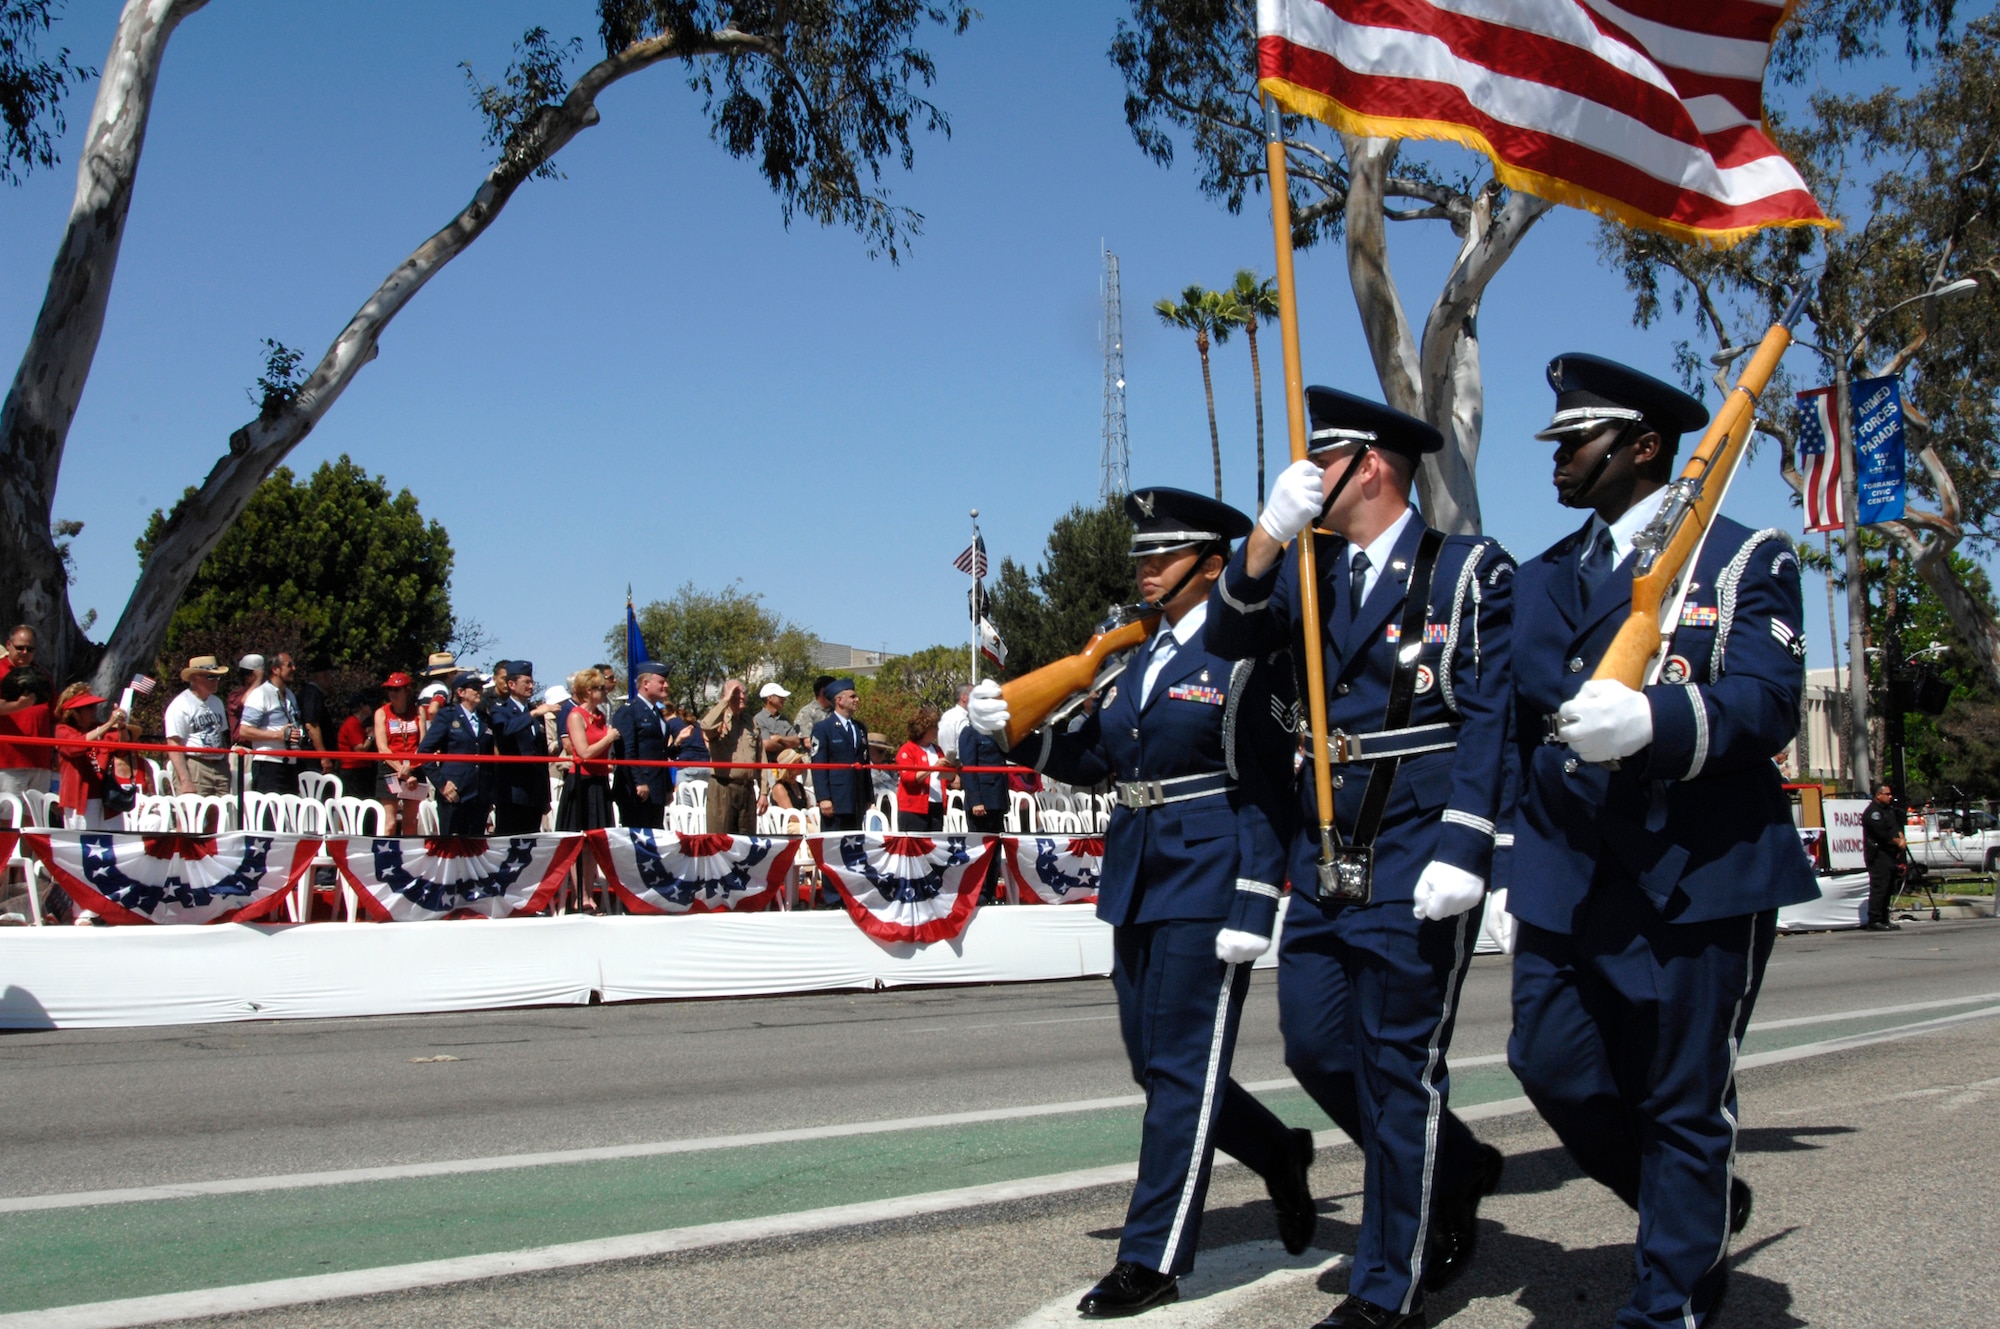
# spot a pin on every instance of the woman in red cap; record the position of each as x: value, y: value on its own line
x: 398, y: 727
x: 85, y: 770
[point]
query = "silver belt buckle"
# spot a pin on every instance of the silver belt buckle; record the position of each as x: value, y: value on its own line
x: 1340, y: 745
x: 1551, y: 724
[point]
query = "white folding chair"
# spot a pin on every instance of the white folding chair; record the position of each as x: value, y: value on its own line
x: 874, y: 821
x: 1021, y: 812
x: 43, y: 810
x: 163, y: 775
x: 319, y: 787
x: 151, y: 814
x: 21, y: 866
x: 262, y: 813
x: 427, y: 818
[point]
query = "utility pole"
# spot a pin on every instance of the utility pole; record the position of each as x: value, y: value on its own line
x: 1116, y: 466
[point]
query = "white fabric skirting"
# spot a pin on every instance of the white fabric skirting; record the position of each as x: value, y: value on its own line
x: 1842, y: 903
x: 79, y: 978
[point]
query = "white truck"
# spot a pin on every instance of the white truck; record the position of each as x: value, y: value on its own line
x: 1954, y: 842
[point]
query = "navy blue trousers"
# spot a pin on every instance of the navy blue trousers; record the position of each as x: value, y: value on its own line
x: 1625, y: 1037
x: 1179, y: 1008
x: 1367, y: 999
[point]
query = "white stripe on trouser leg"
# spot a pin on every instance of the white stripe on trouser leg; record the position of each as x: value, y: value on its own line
x: 1722, y: 1105
x: 1202, y: 1122
x: 1434, y: 1118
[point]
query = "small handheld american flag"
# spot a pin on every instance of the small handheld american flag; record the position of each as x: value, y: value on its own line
x: 973, y: 561
x: 142, y: 685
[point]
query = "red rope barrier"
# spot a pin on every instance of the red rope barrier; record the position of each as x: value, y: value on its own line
x: 434, y: 758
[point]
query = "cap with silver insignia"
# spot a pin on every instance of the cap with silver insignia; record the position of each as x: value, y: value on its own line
x: 1339, y: 418
x: 1169, y: 519
x: 1592, y: 392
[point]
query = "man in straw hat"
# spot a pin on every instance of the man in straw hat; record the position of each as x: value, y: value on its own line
x: 197, y: 719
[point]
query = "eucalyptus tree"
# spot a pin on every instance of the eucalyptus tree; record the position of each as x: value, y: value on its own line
x: 32, y: 88
x: 820, y: 95
x: 1190, y: 69
x: 1250, y: 302
x: 1206, y: 314
x: 1915, y: 178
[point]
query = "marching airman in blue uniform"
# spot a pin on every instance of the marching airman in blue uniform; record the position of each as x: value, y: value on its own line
x: 1653, y: 842
x: 1416, y: 633
x: 464, y: 788
x: 1193, y: 865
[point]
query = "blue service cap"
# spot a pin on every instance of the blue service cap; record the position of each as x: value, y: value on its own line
x: 646, y: 667
x: 1164, y: 520
x: 467, y: 679
x: 1339, y: 418
x: 838, y: 686
x: 521, y: 668
x: 1592, y: 392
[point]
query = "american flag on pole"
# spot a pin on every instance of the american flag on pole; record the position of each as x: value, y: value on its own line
x: 1646, y: 111
x: 1819, y: 459
x: 973, y: 561
x: 142, y: 685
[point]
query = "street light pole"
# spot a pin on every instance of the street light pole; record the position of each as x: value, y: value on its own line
x: 1857, y: 582
x: 1850, y: 531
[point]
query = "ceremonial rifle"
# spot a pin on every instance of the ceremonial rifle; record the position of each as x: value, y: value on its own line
x: 1667, y: 548
x: 1056, y: 689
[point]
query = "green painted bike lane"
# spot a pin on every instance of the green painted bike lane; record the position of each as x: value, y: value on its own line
x: 103, y: 1252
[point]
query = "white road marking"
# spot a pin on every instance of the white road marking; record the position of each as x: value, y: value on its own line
x: 655, y: 1148
x: 1222, y: 1281
x: 398, y: 1278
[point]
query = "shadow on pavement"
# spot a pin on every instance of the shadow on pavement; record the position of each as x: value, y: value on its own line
x: 1783, y: 1140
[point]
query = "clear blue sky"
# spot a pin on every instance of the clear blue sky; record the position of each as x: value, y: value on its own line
x: 639, y: 375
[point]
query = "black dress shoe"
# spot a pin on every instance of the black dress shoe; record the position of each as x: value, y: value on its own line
x: 1739, y: 1205
x: 1455, y: 1236
x: 1360, y: 1313
x: 1128, y: 1289
x: 1291, y: 1194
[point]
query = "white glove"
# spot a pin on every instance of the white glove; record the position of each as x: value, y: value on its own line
x: 1296, y: 498
x: 1444, y: 891
x: 1233, y: 947
x: 1605, y: 721
x: 986, y: 709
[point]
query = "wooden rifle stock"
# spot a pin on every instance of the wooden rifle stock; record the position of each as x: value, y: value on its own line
x: 1031, y: 697
x: 1690, y: 511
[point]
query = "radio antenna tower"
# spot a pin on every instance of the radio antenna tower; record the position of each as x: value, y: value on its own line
x: 1116, y: 480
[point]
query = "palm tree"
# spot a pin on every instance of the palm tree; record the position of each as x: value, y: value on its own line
x: 1206, y: 314
x: 1249, y: 303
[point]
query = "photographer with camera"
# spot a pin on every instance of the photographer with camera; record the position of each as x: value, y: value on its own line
x: 25, y: 693
x: 272, y: 727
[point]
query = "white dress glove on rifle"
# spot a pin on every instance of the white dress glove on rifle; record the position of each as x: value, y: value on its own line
x: 1444, y: 891
x: 1605, y: 721
x: 1233, y: 947
x: 1296, y: 498
x: 986, y: 709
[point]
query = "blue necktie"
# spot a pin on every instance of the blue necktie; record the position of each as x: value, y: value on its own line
x: 1357, y: 583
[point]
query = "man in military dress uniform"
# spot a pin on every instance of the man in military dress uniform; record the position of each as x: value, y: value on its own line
x: 1193, y: 864
x: 1653, y: 842
x: 521, y: 788
x: 648, y: 729
x: 1368, y: 988
x: 464, y: 788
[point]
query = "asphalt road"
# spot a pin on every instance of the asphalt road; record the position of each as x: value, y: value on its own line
x: 1872, y: 1164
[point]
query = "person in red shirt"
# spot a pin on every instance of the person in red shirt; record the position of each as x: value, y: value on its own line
x: 25, y: 693
x: 399, y: 726
x: 919, y: 782
x: 85, y: 770
x: 357, y: 734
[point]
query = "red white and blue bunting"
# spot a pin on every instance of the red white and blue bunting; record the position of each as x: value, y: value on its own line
x: 1055, y: 869
x: 907, y: 887
x: 230, y: 878
x: 665, y: 872
x: 410, y: 880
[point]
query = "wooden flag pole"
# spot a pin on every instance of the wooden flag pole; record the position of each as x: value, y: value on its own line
x: 1295, y: 418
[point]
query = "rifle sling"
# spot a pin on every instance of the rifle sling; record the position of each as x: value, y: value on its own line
x: 1402, y: 688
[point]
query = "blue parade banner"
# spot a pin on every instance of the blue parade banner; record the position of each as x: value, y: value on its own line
x: 1878, y: 446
